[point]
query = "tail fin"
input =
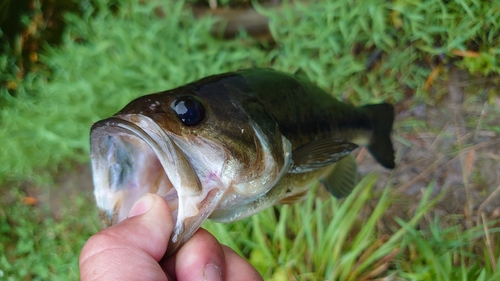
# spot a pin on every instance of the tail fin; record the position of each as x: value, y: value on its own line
x: 382, y: 118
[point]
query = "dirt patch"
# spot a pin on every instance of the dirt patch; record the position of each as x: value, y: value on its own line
x: 452, y: 146
x: 61, y: 195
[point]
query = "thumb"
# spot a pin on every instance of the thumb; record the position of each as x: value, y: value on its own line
x: 131, y: 249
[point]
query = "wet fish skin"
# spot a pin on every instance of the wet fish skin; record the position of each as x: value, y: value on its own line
x: 265, y: 136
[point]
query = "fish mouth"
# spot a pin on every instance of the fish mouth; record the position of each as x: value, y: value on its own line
x: 132, y: 155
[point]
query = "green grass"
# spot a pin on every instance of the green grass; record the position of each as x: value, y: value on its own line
x: 330, y: 241
x: 35, y: 246
x: 108, y: 58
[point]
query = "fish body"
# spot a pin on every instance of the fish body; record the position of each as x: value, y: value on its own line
x: 230, y: 145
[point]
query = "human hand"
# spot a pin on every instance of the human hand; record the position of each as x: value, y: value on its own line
x: 133, y: 250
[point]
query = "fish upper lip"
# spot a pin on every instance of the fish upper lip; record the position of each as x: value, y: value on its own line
x: 174, y: 163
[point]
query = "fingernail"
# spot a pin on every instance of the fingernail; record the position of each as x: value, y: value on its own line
x: 142, y: 205
x: 212, y: 273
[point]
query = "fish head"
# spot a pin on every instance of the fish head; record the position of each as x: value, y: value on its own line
x: 194, y: 147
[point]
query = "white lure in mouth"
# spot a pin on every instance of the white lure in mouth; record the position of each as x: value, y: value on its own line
x: 132, y: 155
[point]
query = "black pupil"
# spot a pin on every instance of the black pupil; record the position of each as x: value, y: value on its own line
x: 190, y: 110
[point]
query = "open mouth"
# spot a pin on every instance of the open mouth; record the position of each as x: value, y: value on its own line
x: 127, y: 163
x: 132, y: 155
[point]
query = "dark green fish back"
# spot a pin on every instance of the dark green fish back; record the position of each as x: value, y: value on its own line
x: 305, y: 112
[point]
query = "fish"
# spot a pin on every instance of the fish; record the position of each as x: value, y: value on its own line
x: 231, y: 145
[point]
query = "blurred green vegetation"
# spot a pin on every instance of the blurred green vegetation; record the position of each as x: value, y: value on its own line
x: 362, y: 52
x: 110, y: 53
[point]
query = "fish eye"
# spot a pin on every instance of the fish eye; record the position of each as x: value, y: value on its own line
x: 190, y: 110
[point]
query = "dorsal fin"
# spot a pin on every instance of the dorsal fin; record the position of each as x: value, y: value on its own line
x: 319, y: 153
x: 342, y: 179
x: 300, y: 73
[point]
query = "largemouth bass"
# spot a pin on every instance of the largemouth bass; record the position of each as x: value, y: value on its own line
x: 230, y: 145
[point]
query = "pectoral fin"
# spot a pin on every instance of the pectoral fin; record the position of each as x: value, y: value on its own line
x: 342, y: 179
x: 320, y: 153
